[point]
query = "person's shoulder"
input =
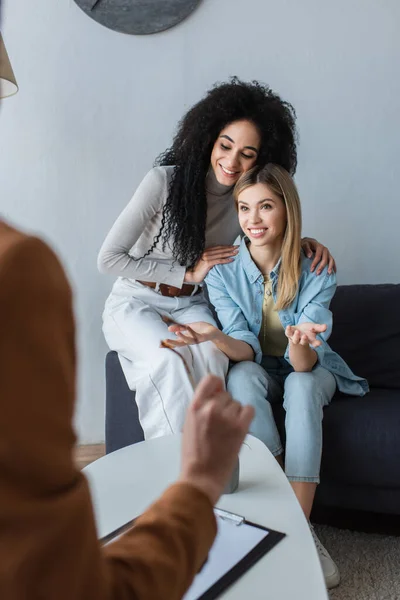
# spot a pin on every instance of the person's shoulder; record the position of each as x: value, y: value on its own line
x: 161, y: 173
x: 26, y: 257
x: 226, y: 272
x: 229, y: 268
x: 15, y: 244
x: 240, y: 260
x: 310, y: 278
x: 158, y: 178
x: 9, y: 237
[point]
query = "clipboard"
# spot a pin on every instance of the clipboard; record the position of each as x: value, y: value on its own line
x: 218, y: 573
x: 214, y: 577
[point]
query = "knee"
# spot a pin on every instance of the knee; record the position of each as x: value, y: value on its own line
x: 248, y: 383
x: 244, y: 373
x: 298, y: 380
x: 164, y: 358
x: 301, y: 391
x: 214, y: 354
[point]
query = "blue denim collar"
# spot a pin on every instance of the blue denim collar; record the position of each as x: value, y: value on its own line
x: 252, y: 271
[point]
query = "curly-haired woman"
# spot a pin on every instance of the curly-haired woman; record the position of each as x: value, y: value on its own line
x: 182, y: 221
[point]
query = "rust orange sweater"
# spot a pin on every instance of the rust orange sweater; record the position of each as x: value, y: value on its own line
x: 48, y: 544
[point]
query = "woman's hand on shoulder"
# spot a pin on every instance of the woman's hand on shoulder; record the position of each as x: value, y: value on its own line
x: 215, y: 255
x: 192, y: 333
x: 305, y: 334
x: 322, y: 256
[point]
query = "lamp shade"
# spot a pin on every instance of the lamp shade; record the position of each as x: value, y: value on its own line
x: 8, y: 83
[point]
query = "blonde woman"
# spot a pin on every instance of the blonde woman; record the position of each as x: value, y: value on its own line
x: 276, y: 321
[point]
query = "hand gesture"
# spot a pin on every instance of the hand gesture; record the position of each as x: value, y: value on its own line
x: 193, y: 333
x: 322, y: 255
x: 305, y: 334
x: 215, y: 255
x: 215, y: 427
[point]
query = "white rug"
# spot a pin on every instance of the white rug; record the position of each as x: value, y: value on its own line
x: 369, y: 563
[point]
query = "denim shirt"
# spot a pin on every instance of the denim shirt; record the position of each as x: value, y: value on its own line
x: 236, y: 290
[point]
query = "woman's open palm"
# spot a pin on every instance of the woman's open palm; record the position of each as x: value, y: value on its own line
x: 305, y: 334
x: 193, y: 333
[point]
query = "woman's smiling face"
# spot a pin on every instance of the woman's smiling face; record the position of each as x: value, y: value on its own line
x: 235, y: 151
x: 262, y: 215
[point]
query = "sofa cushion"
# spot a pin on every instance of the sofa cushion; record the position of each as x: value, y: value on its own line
x: 361, y: 443
x: 366, y: 331
x: 361, y: 439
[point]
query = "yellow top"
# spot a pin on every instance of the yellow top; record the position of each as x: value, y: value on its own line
x: 272, y: 334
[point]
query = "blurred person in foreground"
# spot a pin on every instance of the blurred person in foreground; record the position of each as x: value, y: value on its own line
x: 48, y: 544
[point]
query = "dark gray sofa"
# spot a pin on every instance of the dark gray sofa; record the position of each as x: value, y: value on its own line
x: 361, y: 456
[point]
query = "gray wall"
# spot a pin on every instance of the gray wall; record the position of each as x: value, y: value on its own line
x: 95, y: 107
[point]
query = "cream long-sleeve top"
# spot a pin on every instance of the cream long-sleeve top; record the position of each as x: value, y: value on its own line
x: 133, y: 233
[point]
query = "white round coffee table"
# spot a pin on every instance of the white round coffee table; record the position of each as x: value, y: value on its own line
x: 125, y: 482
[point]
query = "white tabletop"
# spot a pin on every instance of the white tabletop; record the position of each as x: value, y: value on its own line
x: 125, y: 482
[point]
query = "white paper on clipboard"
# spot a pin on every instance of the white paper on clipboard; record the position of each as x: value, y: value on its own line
x: 234, y: 540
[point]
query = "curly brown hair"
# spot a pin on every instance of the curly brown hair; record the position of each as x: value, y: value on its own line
x: 185, y: 212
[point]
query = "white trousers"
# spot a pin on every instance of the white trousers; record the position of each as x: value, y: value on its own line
x: 133, y: 327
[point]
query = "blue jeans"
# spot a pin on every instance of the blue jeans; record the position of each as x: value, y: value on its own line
x: 303, y: 394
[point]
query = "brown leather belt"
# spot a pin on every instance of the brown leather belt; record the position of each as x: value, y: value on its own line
x: 171, y: 290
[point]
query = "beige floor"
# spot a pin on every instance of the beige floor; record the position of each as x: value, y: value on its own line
x: 368, y: 563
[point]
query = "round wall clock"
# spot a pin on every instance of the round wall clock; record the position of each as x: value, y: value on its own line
x: 138, y: 16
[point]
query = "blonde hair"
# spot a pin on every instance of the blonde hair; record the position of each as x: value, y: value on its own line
x: 282, y: 185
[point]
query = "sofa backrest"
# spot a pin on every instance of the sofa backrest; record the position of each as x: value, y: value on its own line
x: 366, y: 331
